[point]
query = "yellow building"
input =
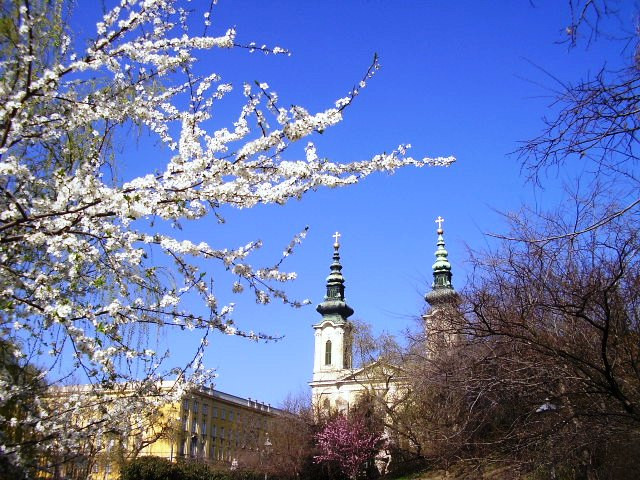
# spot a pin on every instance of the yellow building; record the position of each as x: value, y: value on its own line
x: 217, y: 427
x: 206, y: 425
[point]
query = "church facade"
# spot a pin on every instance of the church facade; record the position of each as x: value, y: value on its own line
x: 336, y: 385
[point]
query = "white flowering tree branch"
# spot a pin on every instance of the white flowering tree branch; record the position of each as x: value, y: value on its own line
x: 79, y: 287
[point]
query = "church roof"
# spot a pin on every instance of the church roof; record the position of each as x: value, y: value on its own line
x: 377, y: 372
x: 334, y: 307
x: 442, y: 289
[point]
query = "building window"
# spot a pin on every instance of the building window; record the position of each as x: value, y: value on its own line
x: 212, y: 450
x: 183, y: 447
x: 194, y: 446
x: 231, y: 415
x: 221, y: 432
x: 214, y: 412
x: 185, y: 404
x: 213, y: 430
x: 327, y: 353
x: 195, y: 407
x: 205, y: 409
x: 223, y: 414
x: 203, y: 426
x: 185, y: 419
x: 193, y: 425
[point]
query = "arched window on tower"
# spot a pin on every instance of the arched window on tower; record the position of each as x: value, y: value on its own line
x: 327, y: 353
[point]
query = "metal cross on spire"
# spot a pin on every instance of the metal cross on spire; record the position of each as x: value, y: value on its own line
x: 336, y: 236
x: 439, y: 221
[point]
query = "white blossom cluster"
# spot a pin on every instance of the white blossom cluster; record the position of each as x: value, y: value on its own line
x: 76, y: 276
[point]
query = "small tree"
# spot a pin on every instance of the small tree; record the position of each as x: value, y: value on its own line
x: 291, y: 436
x: 348, y: 443
x: 555, y: 328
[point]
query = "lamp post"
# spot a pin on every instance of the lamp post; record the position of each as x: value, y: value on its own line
x: 267, y: 452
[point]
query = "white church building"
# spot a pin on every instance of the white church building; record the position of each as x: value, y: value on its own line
x: 336, y: 385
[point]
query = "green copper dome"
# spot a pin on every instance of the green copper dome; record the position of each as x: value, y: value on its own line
x: 442, y: 288
x: 334, y: 307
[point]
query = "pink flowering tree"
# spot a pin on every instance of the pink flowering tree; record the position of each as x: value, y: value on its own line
x: 93, y: 265
x: 348, y: 443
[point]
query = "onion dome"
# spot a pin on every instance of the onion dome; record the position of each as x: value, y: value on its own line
x: 442, y: 289
x: 334, y: 307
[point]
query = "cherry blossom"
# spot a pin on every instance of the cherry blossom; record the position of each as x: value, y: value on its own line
x: 348, y: 443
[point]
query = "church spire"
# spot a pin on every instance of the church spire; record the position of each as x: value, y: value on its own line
x: 334, y: 307
x: 442, y: 289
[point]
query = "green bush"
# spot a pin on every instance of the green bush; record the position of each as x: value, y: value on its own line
x: 156, y: 468
x: 150, y: 468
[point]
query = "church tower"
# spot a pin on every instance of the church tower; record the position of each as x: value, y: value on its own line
x: 442, y: 298
x: 333, y: 333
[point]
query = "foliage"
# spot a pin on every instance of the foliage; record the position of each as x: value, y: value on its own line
x: 291, y: 436
x: 20, y: 375
x: 156, y: 468
x: 149, y: 468
x: 369, y: 348
x: 555, y: 304
x: 543, y: 375
x: 82, y: 252
x: 559, y: 325
x: 348, y: 443
x: 557, y: 300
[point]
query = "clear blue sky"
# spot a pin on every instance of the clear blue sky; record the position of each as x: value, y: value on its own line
x: 458, y: 78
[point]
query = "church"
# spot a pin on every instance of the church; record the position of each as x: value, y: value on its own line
x: 336, y: 384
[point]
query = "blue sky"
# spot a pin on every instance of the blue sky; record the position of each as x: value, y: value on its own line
x: 462, y: 78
